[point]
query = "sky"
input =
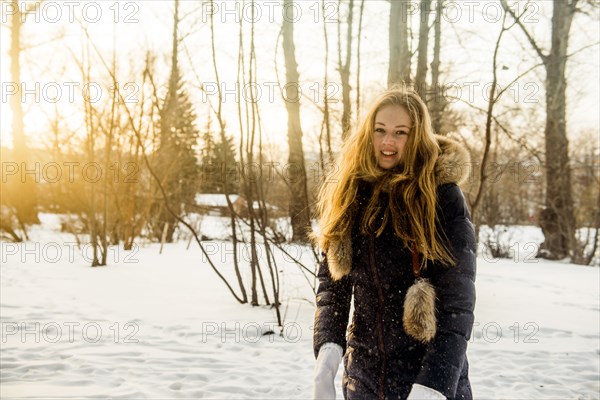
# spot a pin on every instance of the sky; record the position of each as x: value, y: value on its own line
x: 55, y: 41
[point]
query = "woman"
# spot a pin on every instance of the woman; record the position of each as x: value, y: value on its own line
x: 393, y: 213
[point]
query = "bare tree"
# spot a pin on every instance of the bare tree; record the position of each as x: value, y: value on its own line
x: 91, y: 128
x: 436, y: 104
x: 248, y: 117
x: 26, y: 206
x: 420, y: 78
x: 557, y: 218
x: 585, y: 158
x: 219, y: 114
x: 493, y: 99
x: 299, y: 210
x: 109, y: 134
x: 326, y: 124
x: 400, y: 55
x: 358, y: 39
x: 344, y: 67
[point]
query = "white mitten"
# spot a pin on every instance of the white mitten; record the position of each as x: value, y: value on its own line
x: 420, y: 392
x: 326, y: 367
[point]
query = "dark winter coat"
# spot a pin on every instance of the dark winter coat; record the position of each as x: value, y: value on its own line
x: 381, y: 361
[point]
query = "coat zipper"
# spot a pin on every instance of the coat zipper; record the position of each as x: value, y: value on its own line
x: 380, y: 343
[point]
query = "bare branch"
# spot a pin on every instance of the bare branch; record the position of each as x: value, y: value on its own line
x: 530, y: 38
x: 501, y: 92
x: 582, y: 48
x: 520, y: 141
x: 156, y: 178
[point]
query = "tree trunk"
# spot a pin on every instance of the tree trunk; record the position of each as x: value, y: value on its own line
x: 420, y: 79
x: 344, y: 69
x: 26, y: 209
x: 358, y: 37
x: 487, y: 148
x: 226, y: 186
x: 326, y: 121
x: 435, y: 105
x: 399, y: 68
x: 90, y: 145
x: 557, y: 219
x: 299, y: 210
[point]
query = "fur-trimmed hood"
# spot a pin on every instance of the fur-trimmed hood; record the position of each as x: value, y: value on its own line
x: 450, y: 167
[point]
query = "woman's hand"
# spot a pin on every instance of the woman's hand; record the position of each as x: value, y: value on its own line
x: 420, y: 392
x: 326, y: 367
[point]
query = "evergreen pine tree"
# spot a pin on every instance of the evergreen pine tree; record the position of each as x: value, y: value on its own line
x: 210, y: 168
x: 177, y: 164
x: 218, y: 163
x: 228, y: 170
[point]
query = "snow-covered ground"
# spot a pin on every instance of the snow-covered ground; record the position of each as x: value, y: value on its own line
x: 165, y: 326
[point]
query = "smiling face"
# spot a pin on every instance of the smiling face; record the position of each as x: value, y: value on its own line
x: 391, y: 130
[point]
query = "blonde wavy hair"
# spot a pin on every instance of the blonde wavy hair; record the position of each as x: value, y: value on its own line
x: 411, y: 184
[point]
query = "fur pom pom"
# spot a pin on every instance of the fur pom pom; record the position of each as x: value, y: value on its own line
x: 339, y: 258
x: 419, y: 311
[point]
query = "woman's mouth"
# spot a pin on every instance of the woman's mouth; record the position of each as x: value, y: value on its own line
x: 388, y: 153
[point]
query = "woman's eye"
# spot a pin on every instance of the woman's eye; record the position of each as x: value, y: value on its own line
x: 379, y: 130
x: 399, y: 133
